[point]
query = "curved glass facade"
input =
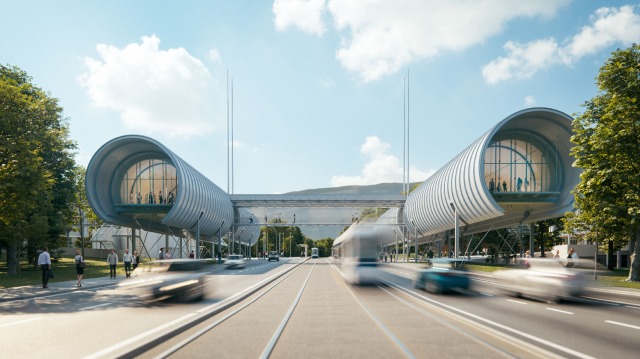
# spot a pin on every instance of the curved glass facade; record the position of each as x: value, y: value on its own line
x: 520, y: 163
x: 150, y: 181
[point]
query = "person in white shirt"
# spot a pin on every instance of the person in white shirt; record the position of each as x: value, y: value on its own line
x: 112, y: 259
x: 44, y: 261
x: 127, y: 259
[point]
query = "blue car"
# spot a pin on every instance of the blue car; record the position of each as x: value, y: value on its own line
x: 443, y: 275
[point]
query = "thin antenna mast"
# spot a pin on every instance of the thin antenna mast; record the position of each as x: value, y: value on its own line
x: 232, y: 154
x: 404, y: 136
x: 408, y: 138
x: 228, y: 172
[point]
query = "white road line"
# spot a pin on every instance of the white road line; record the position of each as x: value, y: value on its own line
x: 516, y: 301
x: 559, y: 311
x: 622, y: 324
x: 20, y: 322
x: 94, y: 306
x: 135, y: 339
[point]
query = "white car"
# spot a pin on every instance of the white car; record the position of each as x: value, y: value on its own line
x: 235, y: 261
x: 547, y: 279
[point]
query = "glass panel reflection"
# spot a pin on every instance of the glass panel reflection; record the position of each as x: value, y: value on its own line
x: 150, y: 181
x: 516, y: 165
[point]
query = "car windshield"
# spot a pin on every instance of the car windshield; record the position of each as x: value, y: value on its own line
x: 235, y: 257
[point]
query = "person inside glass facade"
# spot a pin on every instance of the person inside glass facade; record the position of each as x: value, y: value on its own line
x: 150, y: 181
x: 520, y: 164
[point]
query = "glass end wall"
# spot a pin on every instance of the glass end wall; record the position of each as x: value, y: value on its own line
x: 519, y: 163
x: 150, y: 181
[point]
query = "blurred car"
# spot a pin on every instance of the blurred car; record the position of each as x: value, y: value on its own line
x: 542, y: 278
x: 443, y: 275
x: 235, y: 261
x: 181, y: 279
x: 273, y: 256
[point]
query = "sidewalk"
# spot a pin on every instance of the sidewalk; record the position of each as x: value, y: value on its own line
x: 34, y: 291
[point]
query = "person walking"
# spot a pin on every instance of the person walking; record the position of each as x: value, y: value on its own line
x: 136, y: 260
x: 112, y: 259
x: 161, y: 253
x: 167, y: 255
x: 44, y: 261
x: 127, y: 258
x: 80, y: 264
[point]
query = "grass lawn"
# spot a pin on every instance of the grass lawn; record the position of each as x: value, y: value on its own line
x: 63, y: 270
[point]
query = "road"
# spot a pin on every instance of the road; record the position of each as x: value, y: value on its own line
x: 296, y: 308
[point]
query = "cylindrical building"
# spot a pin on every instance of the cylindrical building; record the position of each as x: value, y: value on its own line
x: 518, y: 171
x: 136, y: 181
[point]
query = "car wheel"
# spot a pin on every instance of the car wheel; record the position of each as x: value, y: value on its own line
x: 433, y: 287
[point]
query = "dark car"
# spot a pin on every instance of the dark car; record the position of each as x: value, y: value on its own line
x: 181, y: 279
x: 443, y: 275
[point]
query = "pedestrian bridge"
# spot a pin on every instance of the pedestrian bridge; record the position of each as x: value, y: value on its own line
x: 317, y: 200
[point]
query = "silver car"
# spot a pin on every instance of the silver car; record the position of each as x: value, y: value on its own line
x: 235, y: 261
x: 547, y: 279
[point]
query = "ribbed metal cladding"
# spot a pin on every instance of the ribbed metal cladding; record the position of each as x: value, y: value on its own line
x: 196, y: 194
x: 461, y: 182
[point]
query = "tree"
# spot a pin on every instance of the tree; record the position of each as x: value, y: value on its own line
x: 607, y: 148
x: 36, y: 167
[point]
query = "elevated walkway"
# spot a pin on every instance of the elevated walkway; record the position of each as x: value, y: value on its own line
x: 317, y: 200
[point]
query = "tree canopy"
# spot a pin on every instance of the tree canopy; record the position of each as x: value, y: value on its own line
x: 607, y: 148
x: 37, y: 170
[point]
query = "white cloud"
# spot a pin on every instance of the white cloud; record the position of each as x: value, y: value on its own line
x: 386, y: 35
x: 609, y: 26
x: 382, y: 167
x: 529, y: 101
x: 303, y: 14
x: 155, y: 91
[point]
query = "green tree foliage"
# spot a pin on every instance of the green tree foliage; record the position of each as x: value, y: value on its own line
x: 607, y: 148
x: 37, y: 178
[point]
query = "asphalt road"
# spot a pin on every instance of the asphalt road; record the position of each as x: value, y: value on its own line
x: 293, y: 308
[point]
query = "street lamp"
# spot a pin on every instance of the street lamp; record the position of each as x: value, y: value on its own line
x: 456, y: 222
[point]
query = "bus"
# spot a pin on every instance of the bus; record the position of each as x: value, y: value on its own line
x: 314, y: 252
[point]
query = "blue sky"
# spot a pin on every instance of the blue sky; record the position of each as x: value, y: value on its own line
x: 318, y: 86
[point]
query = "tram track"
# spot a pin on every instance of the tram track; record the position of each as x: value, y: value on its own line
x: 201, y: 335
x: 147, y: 342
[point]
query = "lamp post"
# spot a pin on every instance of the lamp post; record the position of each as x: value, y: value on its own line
x: 456, y: 222
x: 198, y: 236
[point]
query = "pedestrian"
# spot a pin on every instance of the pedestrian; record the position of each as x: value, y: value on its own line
x: 192, y: 255
x: 572, y: 258
x: 112, y: 259
x: 170, y: 198
x: 80, y: 264
x: 167, y: 255
x: 557, y: 255
x: 127, y: 258
x: 519, y: 184
x: 161, y: 253
x: 160, y: 198
x: 139, y: 198
x: 504, y: 186
x: 492, y: 186
x: 136, y: 260
x: 44, y: 261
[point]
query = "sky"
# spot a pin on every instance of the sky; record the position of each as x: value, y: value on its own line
x: 320, y: 92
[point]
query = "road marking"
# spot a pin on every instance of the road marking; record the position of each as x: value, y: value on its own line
x: 516, y: 301
x: 139, y: 337
x: 622, y: 324
x: 559, y: 311
x: 468, y: 315
x: 20, y: 322
x: 94, y: 306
